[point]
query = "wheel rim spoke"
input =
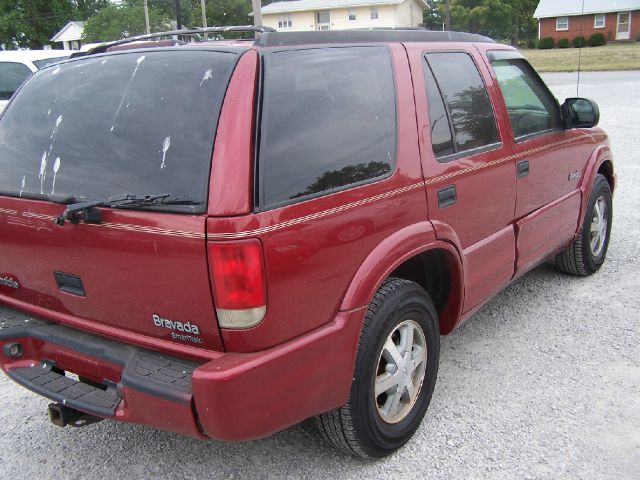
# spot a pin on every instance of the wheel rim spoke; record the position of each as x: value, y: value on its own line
x: 385, y: 382
x: 393, y: 403
x: 418, y: 357
x: 391, y: 352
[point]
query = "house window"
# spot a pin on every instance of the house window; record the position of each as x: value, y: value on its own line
x: 374, y: 13
x: 562, y: 24
x: 599, y: 20
x: 352, y: 15
x: 284, y: 22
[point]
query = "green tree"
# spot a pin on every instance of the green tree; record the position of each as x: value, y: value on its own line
x: 32, y: 23
x: 525, y: 27
x: 118, y: 21
x: 486, y: 17
x: 189, y: 9
x: 228, y: 12
x: 499, y: 19
x: 434, y: 15
x: 88, y: 8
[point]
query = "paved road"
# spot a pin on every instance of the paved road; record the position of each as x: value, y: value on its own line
x: 542, y: 383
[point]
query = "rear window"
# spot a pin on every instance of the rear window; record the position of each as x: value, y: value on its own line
x: 328, y: 121
x: 138, y: 123
x: 12, y: 75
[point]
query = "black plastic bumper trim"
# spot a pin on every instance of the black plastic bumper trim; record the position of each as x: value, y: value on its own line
x: 144, y: 370
x: 42, y: 379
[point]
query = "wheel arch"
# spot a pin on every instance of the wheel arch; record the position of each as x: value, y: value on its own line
x: 415, y: 254
x: 600, y: 162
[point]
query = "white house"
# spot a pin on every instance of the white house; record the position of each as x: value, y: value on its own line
x: 70, y: 35
x: 305, y: 15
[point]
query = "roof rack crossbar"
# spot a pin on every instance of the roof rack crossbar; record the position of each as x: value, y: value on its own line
x: 190, y: 31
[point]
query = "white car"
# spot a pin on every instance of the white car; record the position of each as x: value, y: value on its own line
x: 17, y: 65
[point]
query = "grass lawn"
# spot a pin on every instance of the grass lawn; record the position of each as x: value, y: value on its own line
x: 621, y: 56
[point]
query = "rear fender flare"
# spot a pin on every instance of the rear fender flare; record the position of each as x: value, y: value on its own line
x: 395, y: 250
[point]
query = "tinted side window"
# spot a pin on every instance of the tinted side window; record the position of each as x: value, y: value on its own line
x: 532, y: 108
x: 12, y: 74
x: 466, y: 98
x: 441, y: 138
x: 328, y: 121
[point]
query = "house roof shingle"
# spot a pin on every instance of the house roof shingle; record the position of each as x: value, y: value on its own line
x: 555, y: 8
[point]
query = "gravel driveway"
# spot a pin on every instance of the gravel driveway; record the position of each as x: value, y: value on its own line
x: 543, y: 382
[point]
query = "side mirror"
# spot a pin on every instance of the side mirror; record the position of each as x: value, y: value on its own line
x: 580, y: 113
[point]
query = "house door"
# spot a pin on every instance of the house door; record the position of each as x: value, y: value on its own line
x: 323, y: 20
x: 624, y: 26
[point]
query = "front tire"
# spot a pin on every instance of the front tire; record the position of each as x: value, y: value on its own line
x: 588, y: 251
x: 395, y: 373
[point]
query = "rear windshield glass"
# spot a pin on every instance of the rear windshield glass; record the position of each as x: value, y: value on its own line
x: 139, y: 123
x: 12, y: 74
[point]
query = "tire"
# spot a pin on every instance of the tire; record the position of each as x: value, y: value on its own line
x: 371, y: 426
x: 581, y: 258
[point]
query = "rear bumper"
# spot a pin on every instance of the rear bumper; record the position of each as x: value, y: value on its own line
x: 234, y: 397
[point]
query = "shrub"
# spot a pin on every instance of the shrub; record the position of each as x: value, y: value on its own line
x: 579, y: 41
x: 597, y: 40
x: 638, y: 38
x: 531, y: 43
x: 563, y: 43
x: 546, y: 43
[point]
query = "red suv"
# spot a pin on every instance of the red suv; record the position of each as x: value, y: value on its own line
x: 222, y: 239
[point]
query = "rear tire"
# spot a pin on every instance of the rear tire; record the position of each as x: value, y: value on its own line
x: 588, y: 251
x: 394, y: 376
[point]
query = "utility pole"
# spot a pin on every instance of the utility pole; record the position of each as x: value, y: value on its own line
x: 204, y: 14
x: 146, y: 17
x: 178, y: 21
x: 257, y: 12
x: 447, y: 15
x: 204, y: 18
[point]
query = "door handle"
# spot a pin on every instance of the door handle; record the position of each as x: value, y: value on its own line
x: 447, y: 196
x: 523, y: 168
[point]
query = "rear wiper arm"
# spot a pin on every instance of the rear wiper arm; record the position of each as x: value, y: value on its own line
x: 88, y: 213
x: 85, y: 211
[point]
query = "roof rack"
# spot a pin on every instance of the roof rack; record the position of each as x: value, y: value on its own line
x: 283, y: 39
x: 190, y: 31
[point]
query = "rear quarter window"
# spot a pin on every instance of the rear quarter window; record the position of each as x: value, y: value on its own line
x: 328, y: 121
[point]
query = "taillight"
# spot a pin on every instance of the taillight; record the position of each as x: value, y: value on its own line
x: 238, y: 282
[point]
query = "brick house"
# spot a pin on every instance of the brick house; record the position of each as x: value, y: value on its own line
x: 615, y: 19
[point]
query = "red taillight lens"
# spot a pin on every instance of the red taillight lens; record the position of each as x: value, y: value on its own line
x: 237, y: 274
